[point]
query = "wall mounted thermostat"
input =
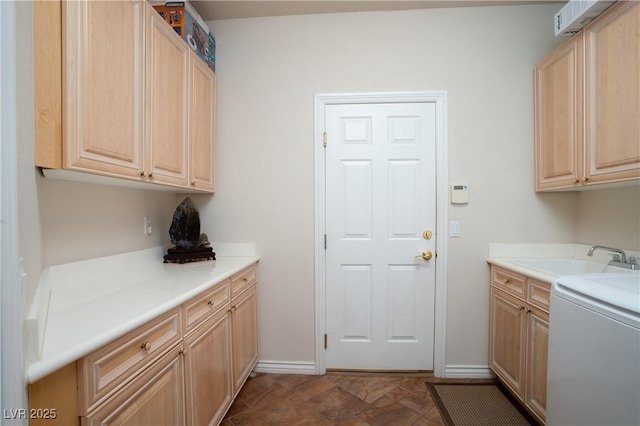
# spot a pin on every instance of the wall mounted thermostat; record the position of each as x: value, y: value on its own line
x: 459, y: 194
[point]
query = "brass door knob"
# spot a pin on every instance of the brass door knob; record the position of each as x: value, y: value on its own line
x: 425, y: 255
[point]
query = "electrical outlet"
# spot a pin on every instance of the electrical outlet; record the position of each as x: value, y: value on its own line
x: 148, y: 228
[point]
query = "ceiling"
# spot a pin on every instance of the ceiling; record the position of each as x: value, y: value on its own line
x: 211, y: 10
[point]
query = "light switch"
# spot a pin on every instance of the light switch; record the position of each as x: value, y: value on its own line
x: 454, y: 229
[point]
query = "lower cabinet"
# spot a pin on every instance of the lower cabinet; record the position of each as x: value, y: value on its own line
x: 519, y: 336
x: 183, y: 367
x: 244, y: 326
x: 208, y: 371
x: 156, y: 397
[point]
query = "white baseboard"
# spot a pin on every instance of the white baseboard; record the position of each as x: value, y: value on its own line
x: 281, y: 367
x: 309, y: 368
x: 468, y: 372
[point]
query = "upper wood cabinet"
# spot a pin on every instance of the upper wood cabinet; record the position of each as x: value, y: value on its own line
x: 558, y: 116
x: 587, y: 104
x: 612, y: 95
x: 102, y: 86
x: 119, y: 94
x: 167, y: 112
x: 202, y: 116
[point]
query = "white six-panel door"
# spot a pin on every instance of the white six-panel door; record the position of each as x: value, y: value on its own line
x: 380, y: 171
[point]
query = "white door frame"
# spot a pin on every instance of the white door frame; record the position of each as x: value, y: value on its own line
x: 13, y: 394
x: 439, y: 98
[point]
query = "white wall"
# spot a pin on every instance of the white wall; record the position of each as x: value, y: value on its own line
x: 610, y: 217
x: 268, y: 70
x: 83, y: 221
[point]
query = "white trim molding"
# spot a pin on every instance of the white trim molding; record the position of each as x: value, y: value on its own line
x: 439, y: 99
x: 282, y: 367
x: 13, y: 395
x: 468, y: 372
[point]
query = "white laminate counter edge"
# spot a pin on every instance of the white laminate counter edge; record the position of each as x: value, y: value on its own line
x: 514, y: 266
x: 91, y: 303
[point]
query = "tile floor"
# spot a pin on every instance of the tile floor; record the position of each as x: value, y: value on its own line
x: 345, y: 399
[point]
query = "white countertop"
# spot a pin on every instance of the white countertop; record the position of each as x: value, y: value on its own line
x: 511, y: 256
x: 81, y: 306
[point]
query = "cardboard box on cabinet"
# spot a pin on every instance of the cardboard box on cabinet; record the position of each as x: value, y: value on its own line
x: 183, y: 18
x: 211, y: 53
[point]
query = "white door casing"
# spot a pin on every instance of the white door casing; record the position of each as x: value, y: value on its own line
x: 391, y: 322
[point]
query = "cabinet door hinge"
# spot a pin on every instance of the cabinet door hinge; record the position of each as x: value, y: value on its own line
x: 324, y: 139
x: 325, y: 340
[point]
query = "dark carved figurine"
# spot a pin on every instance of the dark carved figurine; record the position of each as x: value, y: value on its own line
x: 185, y: 227
x: 190, y: 244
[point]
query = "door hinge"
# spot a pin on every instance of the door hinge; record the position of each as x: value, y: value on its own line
x: 325, y: 241
x: 324, y: 139
x: 325, y: 340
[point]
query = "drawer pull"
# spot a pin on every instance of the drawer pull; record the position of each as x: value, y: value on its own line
x: 232, y: 309
x: 507, y: 280
x: 145, y: 346
x: 245, y: 279
x: 210, y: 302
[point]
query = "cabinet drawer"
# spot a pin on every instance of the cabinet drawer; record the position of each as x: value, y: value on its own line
x: 539, y: 294
x: 509, y: 281
x: 109, y: 368
x: 242, y: 280
x: 202, y: 307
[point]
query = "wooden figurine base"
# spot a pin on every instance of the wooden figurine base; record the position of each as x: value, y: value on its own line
x: 181, y: 255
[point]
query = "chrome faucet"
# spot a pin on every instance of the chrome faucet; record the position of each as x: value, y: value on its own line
x: 620, y: 257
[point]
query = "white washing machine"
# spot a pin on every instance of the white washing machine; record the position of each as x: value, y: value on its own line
x: 593, y: 375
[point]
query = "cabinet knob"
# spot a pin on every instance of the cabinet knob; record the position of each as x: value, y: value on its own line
x: 151, y: 175
x: 522, y: 308
x: 193, y: 183
x: 183, y: 352
x: 143, y: 174
x: 585, y: 179
x: 145, y: 346
x: 507, y: 280
x: 210, y: 302
x: 245, y: 279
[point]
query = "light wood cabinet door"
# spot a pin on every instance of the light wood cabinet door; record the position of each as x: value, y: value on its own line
x: 103, y: 372
x: 535, y: 395
x: 167, y: 96
x: 156, y: 397
x: 507, y: 340
x: 612, y: 95
x: 244, y: 331
x: 208, y: 371
x: 558, y: 117
x: 103, y: 93
x: 202, y: 116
